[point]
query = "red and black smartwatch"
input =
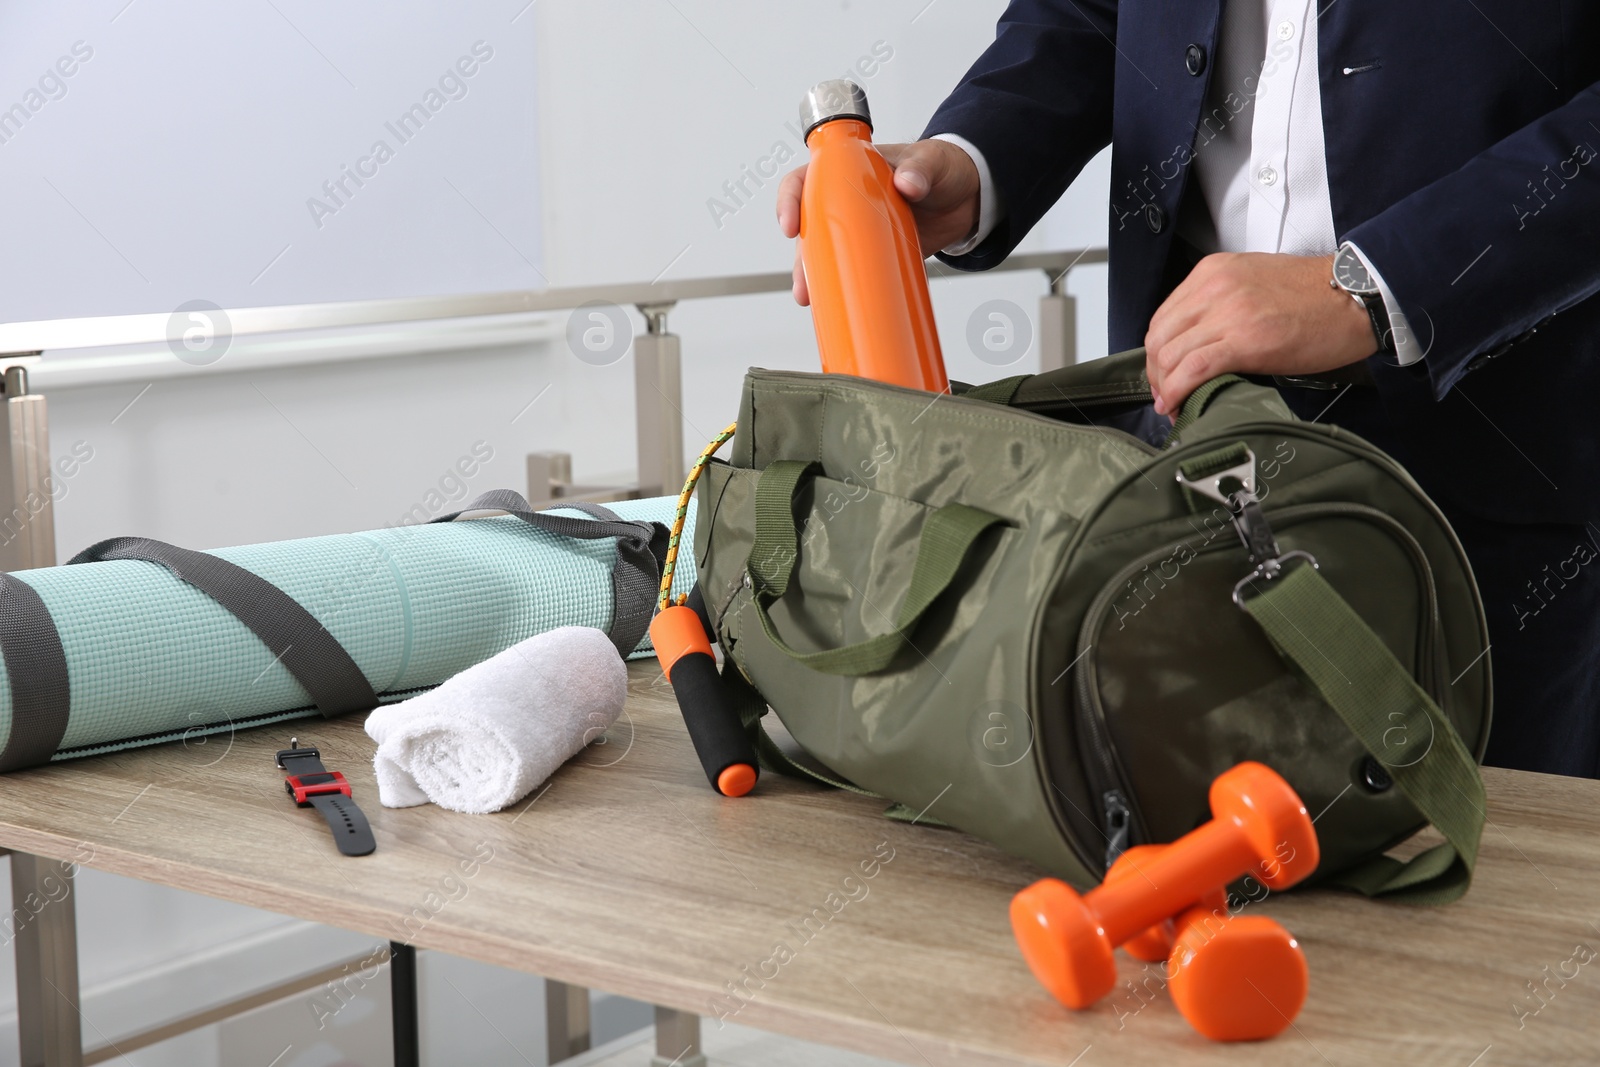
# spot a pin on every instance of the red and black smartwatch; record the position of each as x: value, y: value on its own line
x: 314, y: 786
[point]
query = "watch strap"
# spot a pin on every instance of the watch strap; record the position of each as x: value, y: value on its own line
x: 328, y: 793
x: 1378, y: 312
x: 351, y: 831
x: 297, y: 761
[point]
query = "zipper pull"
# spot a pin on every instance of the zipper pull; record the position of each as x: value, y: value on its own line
x: 1119, y: 819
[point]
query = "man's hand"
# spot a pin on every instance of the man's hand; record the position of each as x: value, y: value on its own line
x: 1252, y: 312
x: 938, y: 180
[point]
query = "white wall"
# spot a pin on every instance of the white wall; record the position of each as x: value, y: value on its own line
x: 216, y: 151
x: 645, y: 109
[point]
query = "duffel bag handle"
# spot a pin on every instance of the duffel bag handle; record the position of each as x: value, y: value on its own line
x: 947, y: 535
x: 1317, y: 631
x: 1195, y: 404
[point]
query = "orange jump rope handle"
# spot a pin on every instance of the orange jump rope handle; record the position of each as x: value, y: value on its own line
x: 861, y: 253
x: 719, y: 739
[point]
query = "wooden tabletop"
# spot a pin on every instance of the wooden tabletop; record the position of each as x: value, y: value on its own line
x: 628, y: 874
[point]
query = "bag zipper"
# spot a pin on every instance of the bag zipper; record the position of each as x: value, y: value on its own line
x: 1119, y: 815
x: 1118, y: 819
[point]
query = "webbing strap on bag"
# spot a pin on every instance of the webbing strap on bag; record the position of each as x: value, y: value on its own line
x: 1319, y: 633
x: 942, y: 547
x: 1196, y: 403
x: 308, y: 651
x: 641, y: 549
x: 41, y: 697
x: 1001, y: 392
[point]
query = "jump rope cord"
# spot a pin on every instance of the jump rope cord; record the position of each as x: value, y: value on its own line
x: 682, y: 516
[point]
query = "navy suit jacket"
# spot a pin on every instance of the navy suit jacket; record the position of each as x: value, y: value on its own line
x: 1463, y: 150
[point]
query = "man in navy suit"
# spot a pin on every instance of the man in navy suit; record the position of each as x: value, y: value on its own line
x: 1399, y: 200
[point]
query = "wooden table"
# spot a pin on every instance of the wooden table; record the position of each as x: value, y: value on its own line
x: 626, y: 873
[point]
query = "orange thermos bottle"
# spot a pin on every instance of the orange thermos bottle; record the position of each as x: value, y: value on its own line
x: 859, y: 248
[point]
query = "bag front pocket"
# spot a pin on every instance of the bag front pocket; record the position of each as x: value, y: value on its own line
x: 1177, y: 684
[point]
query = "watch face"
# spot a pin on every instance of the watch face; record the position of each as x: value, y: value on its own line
x: 1351, y: 274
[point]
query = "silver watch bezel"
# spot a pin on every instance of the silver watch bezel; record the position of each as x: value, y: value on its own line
x: 1343, y: 257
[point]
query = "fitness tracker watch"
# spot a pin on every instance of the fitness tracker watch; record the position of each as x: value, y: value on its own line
x: 1351, y: 275
x: 314, y: 786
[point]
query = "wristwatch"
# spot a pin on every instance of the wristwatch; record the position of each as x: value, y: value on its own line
x: 1351, y: 275
x: 314, y: 786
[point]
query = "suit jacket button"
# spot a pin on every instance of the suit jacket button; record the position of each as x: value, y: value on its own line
x: 1194, y: 60
x: 1155, y: 218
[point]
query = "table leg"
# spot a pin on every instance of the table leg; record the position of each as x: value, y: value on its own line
x: 45, y: 934
x: 403, y: 1003
x: 677, y: 1039
x: 566, y: 1020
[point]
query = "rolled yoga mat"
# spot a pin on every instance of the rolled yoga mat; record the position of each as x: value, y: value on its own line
x: 151, y: 658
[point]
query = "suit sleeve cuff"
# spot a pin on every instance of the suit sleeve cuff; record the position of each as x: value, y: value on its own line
x: 988, y: 198
x: 1407, y: 350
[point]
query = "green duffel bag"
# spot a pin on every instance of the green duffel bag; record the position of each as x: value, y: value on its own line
x: 1006, y: 615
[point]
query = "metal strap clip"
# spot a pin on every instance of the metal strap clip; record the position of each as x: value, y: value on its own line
x: 1268, y: 570
x: 1235, y: 489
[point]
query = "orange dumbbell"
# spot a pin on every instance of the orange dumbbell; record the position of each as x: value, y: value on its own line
x: 1154, y: 945
x: 1234, y: 978
x: 1259, y: 826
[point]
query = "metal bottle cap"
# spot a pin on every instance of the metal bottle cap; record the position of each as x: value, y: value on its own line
x: 837, y: 99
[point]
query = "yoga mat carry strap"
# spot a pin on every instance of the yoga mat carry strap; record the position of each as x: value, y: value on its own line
x: 308, y: 651
x: 641, y: 549
x: 1317, y: 631
x: 41, y: 699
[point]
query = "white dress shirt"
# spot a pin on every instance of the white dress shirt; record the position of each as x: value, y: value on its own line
x: 1259, y: 155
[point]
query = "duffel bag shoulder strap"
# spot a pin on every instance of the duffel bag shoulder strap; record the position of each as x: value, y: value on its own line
x: 947, y: 535
x: 1314, y: 629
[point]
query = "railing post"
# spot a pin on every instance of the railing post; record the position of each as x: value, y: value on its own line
x: 658, y: 403
x: 1058, y: 325
x: 27, y: 509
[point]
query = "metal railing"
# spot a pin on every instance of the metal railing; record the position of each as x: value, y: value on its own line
x: 25, y: 502
x: 48, y: 1024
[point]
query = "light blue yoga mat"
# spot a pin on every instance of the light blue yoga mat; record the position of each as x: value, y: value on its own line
x: 151, y: 658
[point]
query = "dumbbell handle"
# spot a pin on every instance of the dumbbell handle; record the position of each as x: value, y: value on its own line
x: 1154, y: 944
x: 1203, y: 860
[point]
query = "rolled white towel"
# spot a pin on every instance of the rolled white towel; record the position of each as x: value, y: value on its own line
x: 485, y: 738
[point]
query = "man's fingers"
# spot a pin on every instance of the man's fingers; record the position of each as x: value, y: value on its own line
x: 1172, y: 320
x: 789, y: 201
x: 917, y: 168
x: 1162, y: 363
x: 1181, y: 331
x: 789, y: 191
x: 1198, y: 366
x: 802, y: 293
x: 1187, y: 303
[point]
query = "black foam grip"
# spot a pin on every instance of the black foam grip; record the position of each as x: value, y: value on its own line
x: 714, y: 727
